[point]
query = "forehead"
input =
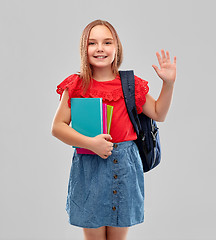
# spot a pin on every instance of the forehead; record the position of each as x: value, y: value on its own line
x: 100, y: 32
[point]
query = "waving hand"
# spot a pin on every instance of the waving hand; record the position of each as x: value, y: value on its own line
x: 167, y: 71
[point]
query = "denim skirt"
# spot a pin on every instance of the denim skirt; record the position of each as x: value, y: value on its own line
x: 106, y: 192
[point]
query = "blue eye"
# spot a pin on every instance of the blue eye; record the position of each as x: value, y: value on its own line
x: 108, y: 43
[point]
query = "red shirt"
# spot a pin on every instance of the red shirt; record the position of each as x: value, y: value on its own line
x: 112, y: 94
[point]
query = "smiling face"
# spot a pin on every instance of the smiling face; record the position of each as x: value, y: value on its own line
x: 101, y: 47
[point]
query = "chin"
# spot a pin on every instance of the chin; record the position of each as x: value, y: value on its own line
x: 101, y: 65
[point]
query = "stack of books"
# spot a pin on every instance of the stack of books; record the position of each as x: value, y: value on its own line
x: 90, y: 117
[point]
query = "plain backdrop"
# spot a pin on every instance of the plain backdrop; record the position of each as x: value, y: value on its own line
x: 39, y: 47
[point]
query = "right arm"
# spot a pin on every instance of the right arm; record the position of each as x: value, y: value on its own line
x: 61, y: 130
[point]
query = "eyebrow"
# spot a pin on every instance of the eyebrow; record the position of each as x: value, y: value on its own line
x: 104, y: 39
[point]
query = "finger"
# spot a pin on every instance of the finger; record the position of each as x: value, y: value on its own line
x: 174, y: 60
x: 168, y: 56
x: 163, y: 56
x: 109, y: 153
x: 159, y: 58
x: 109, y: 150
x: 107, y: 137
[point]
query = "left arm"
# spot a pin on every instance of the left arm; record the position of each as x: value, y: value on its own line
x: 157, y: 109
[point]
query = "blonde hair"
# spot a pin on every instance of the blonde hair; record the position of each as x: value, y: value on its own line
x: 85, y: 68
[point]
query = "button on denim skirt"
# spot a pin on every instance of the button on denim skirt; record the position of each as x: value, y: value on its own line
x: 106, y: 192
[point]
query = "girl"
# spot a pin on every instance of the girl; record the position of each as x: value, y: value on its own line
x: 106, y: 190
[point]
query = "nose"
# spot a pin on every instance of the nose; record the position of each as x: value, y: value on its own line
x: 99, y: 48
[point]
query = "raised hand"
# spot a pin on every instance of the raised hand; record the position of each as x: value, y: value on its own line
x: 167, y: 71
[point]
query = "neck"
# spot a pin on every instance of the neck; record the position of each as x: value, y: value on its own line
x: 103, y: 74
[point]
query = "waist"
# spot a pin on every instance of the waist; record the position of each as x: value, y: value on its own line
x: 122, y: 145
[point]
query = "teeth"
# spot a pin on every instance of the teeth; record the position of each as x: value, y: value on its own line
x: 101, y: 57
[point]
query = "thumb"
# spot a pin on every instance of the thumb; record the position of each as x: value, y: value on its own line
x: 107, y: 137
x: 156, y: 69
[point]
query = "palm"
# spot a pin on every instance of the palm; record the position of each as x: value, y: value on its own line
x: 167, y: 71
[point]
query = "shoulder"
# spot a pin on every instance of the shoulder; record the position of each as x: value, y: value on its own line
x: 70, y: 82
x: 141, y: 90
x: 139, y: 80
x: 141, y: 85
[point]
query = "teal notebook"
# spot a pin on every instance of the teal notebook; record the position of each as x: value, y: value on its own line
x: 87, y: 116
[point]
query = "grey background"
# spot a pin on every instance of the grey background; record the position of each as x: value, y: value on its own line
x: 40, y: 47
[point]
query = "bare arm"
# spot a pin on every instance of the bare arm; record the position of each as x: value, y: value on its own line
x: 61, y: 130
x: 157, y: 109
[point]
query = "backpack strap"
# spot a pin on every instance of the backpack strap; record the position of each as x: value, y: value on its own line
x: 146, y: 129
x: 128, y: 87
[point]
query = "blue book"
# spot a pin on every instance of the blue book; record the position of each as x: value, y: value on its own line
x: 87, y: 116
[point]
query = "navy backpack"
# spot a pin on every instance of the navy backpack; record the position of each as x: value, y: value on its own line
x: 148, y: 141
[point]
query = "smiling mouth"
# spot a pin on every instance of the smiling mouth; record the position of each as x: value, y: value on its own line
x: 100, y: 57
